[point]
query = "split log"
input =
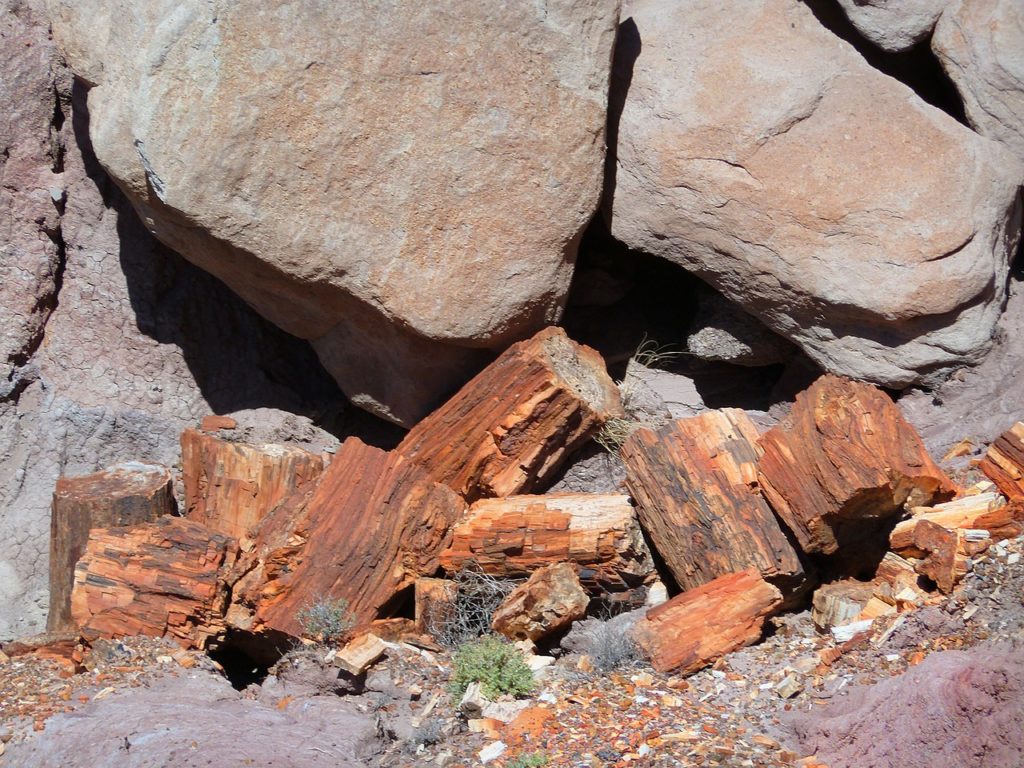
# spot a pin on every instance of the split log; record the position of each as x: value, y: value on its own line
x: 161, y: 578
x: 697, y: 627
x: 550, y: 600
x: 1003, y: 463
x: 372, y: 525
x: 843, y: 459
x: 231, y: 486
x: 984, y: 511
x: 122, y: 495
x: 840, y: 603
x: 698, y: 498
x: 896, y: 582
x: 509, y: 429
x: 512, y: 537
x: 945, y: 562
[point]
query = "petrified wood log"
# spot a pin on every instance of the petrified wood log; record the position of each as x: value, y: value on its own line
x: 550, y: 600
x: 697, y: 627
x: 1004, y: 462
x: 945, y: 562
x: 844, y: 458
x: 695, y: 484
x: 510, y: 428
x: 161, y: 578
x: 373, y: 524
x: 984, y: 511
x: 122, y: 495
x: 231, y: 486
x: 514, y: 536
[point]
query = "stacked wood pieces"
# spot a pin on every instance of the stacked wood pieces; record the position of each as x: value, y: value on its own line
x: 695, y: 482
x: 126, y: 494
x: 1004, y: 462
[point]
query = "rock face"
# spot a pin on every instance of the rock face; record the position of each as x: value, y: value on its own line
x: 980, y: 44
x: 894, y: 26
x: 762, y: 153
x: 394, y: 202
x: 139, y: 343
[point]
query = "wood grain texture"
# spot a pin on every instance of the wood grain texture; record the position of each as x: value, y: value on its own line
x: 984, y: 511
x: 696, y: 487
x: 514, y: 536
x: 162, y: 578
x: 1004, y: 462
x: 697, y: 627
x: 944, y: 562
x: 231, y: 486
x: 845, y: 457
x: 373, y: 524
x: 123, y: 495
x: 510, y: 428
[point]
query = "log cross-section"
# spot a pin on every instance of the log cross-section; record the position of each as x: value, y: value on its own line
x: 844, y: 459
x: 510, y: 428
x: 697, y: 494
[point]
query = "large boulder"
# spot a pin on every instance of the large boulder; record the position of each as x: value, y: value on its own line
x: 403, y: 184
x: 761, y: 152
x: 131, y: 343
x: 894, y: 26
x: 980, y: 44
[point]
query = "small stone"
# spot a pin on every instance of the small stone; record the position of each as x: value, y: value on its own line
x: 1013, y: 558
x: 4, y: 658
x: 492, y: 751
x: 789, y: 686
x: 473, y: 701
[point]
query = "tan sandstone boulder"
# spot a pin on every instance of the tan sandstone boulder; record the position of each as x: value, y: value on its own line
x: 981, y: 46
x: 401, y: 184
x: 894, y: 26
x: 761, y: 152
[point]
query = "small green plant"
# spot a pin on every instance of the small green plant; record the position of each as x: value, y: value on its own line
x: 326, y: 620
x: 493, y: 662
x: 535, y: 760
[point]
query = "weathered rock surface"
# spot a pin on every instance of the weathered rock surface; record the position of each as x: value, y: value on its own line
x: 194, y: 719
x: 980, y: 44
x: 344, y: 208
x: 894, y: 26
x: 724, y: 332
x: 230, y: 486
x: 761, y: 152
x: 963, y: 708
x: 139, y: 345
x: 125, y: 495
x: 514, y: 536
x: 841, y: 461
x: 548, y: 602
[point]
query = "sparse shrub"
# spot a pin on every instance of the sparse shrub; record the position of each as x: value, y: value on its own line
x: 493, y: 662
x: 613, y: 433
x: 468, y: 616
x: 609, y: 647
x: 326, y: 620
x: 534, y: 760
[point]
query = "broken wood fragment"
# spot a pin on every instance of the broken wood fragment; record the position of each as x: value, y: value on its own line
x: 214, y: 423
x: 230, y: 486
x: 697, y: 627
x: 696, y: 487
x: 510, y: 538
x: 433, y: 602
x: 984, y: 511
x: 944, y: 562
x: 360, y: 653
x: 122, y: 495
x: 161, y: 579
x: 550, y: 600
x: 509, y: 429
x: 1003, y: 463
x: 842, y: 460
